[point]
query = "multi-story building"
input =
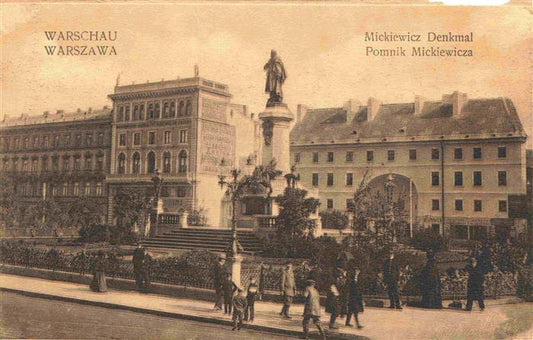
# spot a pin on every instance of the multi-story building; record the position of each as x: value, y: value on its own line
x: 454, y: 162
x: 60, y: 155
x: 183, y: 128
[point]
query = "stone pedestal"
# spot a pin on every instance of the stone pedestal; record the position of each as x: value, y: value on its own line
x: 234, y: 265
x: 276, y: 125
x: 183, y: 218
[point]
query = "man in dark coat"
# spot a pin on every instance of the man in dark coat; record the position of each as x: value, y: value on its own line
x: 476, y: 277
x: 333, y: 304
x: 218, y: 280
x: 355, y: 300
x: 431, y: 287
x: 138, y: 260
x: 312, y: 309
x: 391, y: 276
x: 288, y: 289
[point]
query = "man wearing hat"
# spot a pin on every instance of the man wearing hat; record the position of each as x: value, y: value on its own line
x: 239, y: 305
x: 287, y: 288
x: 312, y: 309
x: 218, y: 280
x: 391, y: 276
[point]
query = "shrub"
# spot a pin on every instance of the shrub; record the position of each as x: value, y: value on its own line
x: 334, y: 219
x: 428, y: 239
x: 197, y: 217
x: 94, y: 233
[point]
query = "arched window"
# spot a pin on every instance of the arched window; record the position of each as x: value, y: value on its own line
x: 127, y: 113
x: 166, y: 109
x: 136, y: 167
x: 120, y: 114
x: 182, y: 161
x: 173, y: 109
x: 157, y: 111
x: 121, y: 163
x: 141, y: 112
x: 151, y: 162
x: 166, y: 162
x: 188, y: 108
x: 180, y: 111
x: 150, y: 111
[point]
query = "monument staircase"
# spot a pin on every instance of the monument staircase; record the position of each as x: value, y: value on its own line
x: 215, y: 240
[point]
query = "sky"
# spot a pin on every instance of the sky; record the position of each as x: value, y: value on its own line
x: 322, y: 47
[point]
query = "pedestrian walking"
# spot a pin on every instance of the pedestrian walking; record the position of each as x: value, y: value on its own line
x: 342, y: 285
x: 332, y: 304
x: 391, y: 276
x: 146, y: 272
x: 99, y: 284
x: 228, y: 288
x: 239, y: 306
x: 288, y: 287
x: 431, y: 286
x: 312, y: 309
x: 218, y: 280
x: 355, y: 300
x: 251, y: 295
x: 476, y: 277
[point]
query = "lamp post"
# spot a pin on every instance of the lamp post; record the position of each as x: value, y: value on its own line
x: 157, y: 180
x: 233, y: 189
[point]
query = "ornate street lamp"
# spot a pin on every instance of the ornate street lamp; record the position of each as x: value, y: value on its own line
x: 233, y: 189
x: 157, y: 181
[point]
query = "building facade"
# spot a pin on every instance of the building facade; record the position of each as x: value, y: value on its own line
x: 57, y: 155
x: 454, y: 162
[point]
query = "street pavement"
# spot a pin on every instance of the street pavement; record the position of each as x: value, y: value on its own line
x: 379, y: 323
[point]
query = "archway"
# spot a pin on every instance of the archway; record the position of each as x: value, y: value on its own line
x: 151, y: 162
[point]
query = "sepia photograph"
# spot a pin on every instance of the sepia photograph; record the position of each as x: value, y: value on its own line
x: 266, y: 170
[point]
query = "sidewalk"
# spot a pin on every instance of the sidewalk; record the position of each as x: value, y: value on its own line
x: 379, y: 323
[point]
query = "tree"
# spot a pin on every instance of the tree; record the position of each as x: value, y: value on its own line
x: 334, y: 219
x: 84, y: 211
x: 130, y: 207
x: 293, y: 222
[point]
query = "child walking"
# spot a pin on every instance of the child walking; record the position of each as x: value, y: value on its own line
x: 239, y: 306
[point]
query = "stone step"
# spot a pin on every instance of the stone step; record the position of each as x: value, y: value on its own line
x: 212, y: 237
x: 202, y: 242
x: 193, y: 247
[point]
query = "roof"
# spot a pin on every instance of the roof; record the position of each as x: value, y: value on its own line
x: 478, y: 116
x: 47, y: 118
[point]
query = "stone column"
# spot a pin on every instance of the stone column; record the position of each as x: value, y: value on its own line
x: 184, y: 223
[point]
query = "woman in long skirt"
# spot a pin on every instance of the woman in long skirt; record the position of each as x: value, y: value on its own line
x: 99, y: 282
x: 355, y: 300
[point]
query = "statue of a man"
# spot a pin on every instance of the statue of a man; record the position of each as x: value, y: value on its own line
x: 276, y: 76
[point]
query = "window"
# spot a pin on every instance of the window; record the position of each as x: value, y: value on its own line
x: 151, y: 162
x: 390, y: 155
x: 151, y: 137
x: 173, y: 109
x: 121, y: 163
x: 435, y: 227
x: 435, y: 153
x: 182, y: 161
x: 478, y: 205
x: 166, y: 162
x: 46, y: 142
x: 329, y: 203
x: 25, y: 143
x: 87, y: 188
x: 99, y: 163
x: 44, y: 164
x: 25, y: 165
x: 502, y: 152
x: 127, y: 113
x: 180, y: 110
x: 369, y: 156
x: 330, y: 179
x: 34, y: 165
x: 297, y: 157
x: 77, y: 163
x: 157, y: 111
x: 412, y: 155
x: 56, y: 141
x: 100, y: 139
x: 66, y: 140
x: 349, y: 179
x: 349, y: 204
x: 76, y: 189
x: 349, y: 156
x: 120, y: 116
x: 141, y: 111
x: 458, y: 178
x: 66, y: 163
x: 435, y: 205
x: 477, y: 153
x: 477, y: 178
x: 502, y: 178
x: 88, y: 163
x: 99, y: 189
x: 137, y: 138
x: 135, y: 113
x: 188, y: 108
x: 122, y: 139
x: 166, y: 110
x: 89, y: 139
x: 315, y: 179
x: 315, y: 157
x: 136, y: 163
x: 502, y: 206
x: 77, y: 141
x: 331, y: 157
x: 435, y: 178
x: 184, y: 136
x: 459, y: 205
x: 150, y: 111
x: 458, y: 153
x: 34, y: 145
x: 166, y: 137
x: 182, y: 192
x: 65, y: 189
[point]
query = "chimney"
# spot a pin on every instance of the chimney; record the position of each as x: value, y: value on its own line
x: 419, y: 104
x: 459, y: 100
x: 372, y: 108
x: 351, y: 107
x: 301, y: 111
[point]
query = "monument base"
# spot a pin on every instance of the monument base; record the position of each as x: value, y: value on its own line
x: 278, y: 111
